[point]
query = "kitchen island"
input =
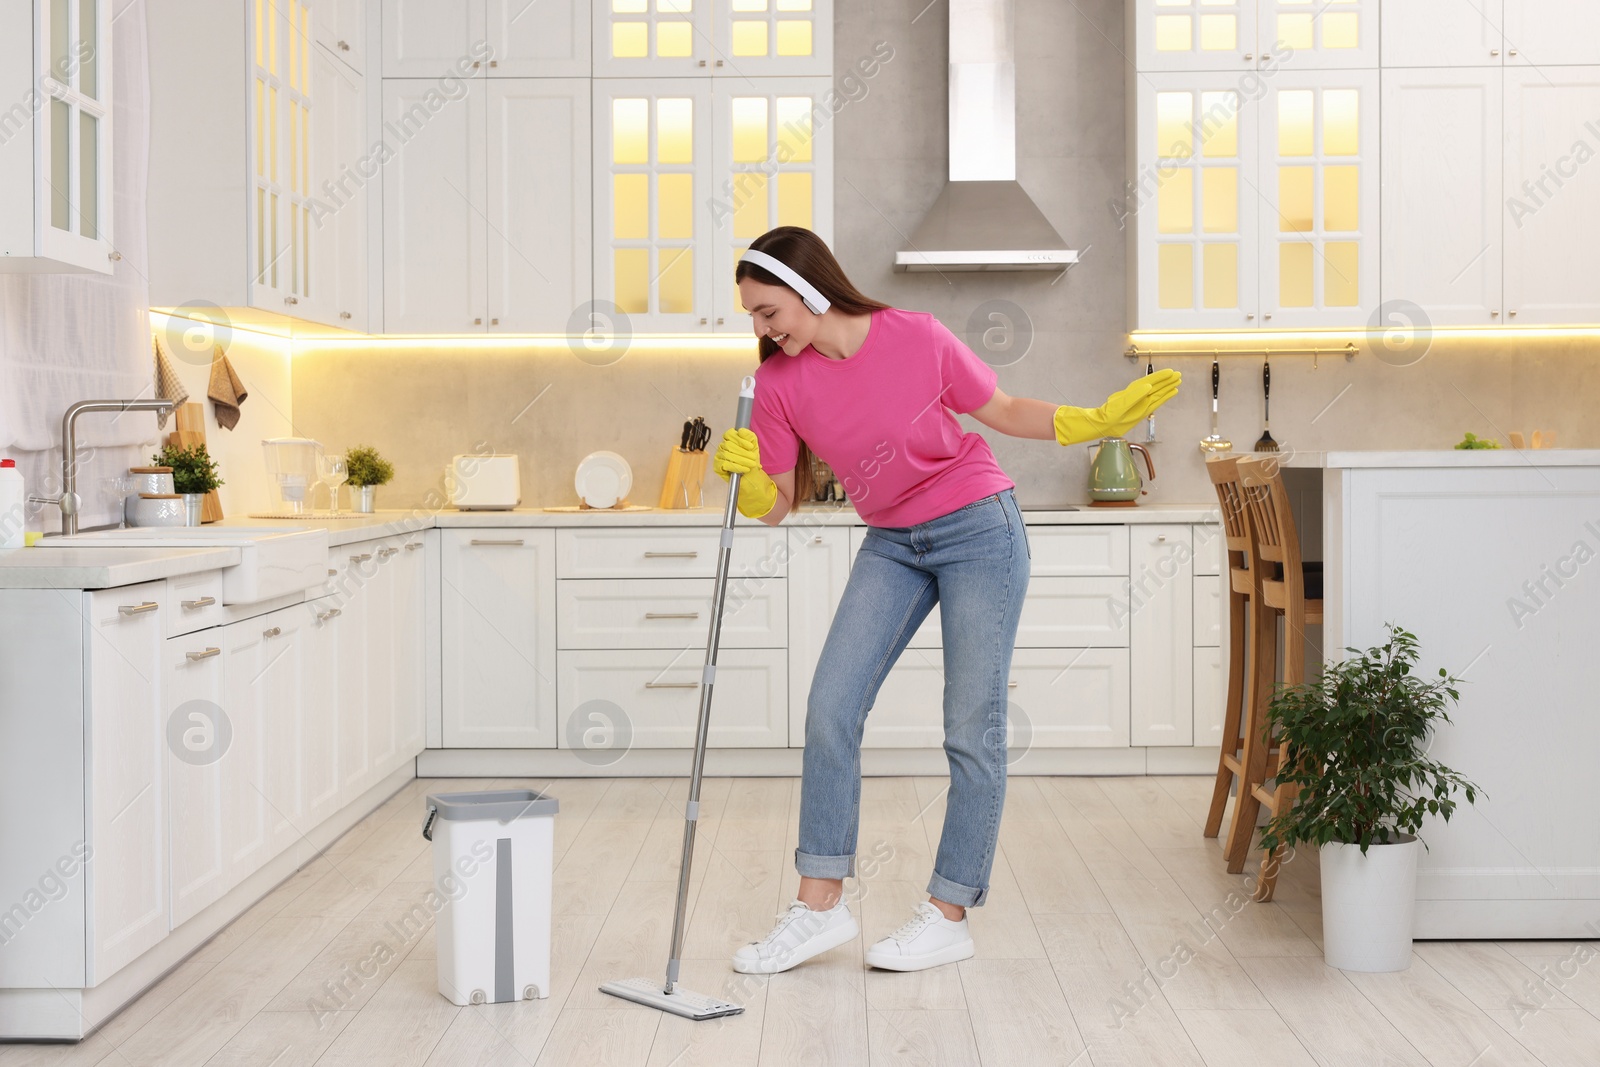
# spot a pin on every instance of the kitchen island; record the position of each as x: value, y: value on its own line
x: 1489, y: 557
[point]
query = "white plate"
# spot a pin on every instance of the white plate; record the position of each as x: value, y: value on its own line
x: 603, y: 479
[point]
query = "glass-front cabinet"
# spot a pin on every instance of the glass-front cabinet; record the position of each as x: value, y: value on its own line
x: 688, y: 173
x: 55, y: 137
x: 282, y: 103
x: 1256, y: 34
x: 720, y: 38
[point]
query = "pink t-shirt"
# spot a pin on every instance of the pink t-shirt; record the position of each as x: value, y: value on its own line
x: 884, y: 419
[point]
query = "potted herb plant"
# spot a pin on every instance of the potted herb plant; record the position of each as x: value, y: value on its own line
x: 368, y: 470
x: 1355, y: 746
x: 194, y: 474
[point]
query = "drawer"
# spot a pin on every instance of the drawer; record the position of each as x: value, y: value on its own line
x: 651, y: 699
x: 1057, y: 698
x: 669, y: 613
x: 1209, y: 610
x: 1072, y: 551
x: 677, y: 552
x: 194, y: 602
x: 1209, y: 548
x: 1059, y: 613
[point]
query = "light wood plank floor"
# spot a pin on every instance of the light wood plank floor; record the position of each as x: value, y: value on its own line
x: 1112, y: 937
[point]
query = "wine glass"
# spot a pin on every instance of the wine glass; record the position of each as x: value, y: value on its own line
x: 332, y: 471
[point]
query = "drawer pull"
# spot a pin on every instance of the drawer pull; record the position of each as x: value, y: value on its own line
x: 275, y: 631
x: 207, y: 654
x: 332, y: 573
x: 137, y: 609
x: 385, y: 553
x: 1011, y: 685
x: 672, y: 555
x: 483, y: 541
x: 361, y: 558
x: 413, y: 546
x: 672, y: 614
x: 672, y: 685
x: 195, y: 605
x: 331, y: 613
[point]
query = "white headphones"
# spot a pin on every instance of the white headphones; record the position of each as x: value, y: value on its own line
x: 809, y: 294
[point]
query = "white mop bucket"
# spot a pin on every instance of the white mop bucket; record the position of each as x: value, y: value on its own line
x: 492, y: 865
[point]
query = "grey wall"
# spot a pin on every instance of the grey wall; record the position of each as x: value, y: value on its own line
x: 423, y: 405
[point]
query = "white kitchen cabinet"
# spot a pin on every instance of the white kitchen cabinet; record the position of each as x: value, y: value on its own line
x: 55, y: 136
x: 658, y: 693
x: 1210, y: 696
x: 1067, y: 698
x: 410, y: 653
x: 1443, y: 33
x: 1159, y: 618
x: 126, y: 878
x: 687, y: 173
x: 342, y: 621
x: 470, y: 241
x: 342, y: 155
x: 195, y: 695
x: 1194, y: 35
x: 1318, y: 183
x: 721, y: 38
x: 1319, y: 34
x: 1442, y: 210
x: 600, y: 613
x: 819, y: 568
x: 1196, y: 197
x: 340, y: 26
x: 1552, y: 192
x: 493, y: 38
x: 372, y: 608
x: 264, y: 669
x: 497, y: 594
x: 1545, y: 33
x: 322, y: 724
x: 670, y: 552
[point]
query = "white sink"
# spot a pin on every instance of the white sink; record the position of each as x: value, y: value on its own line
x: 277, y: 559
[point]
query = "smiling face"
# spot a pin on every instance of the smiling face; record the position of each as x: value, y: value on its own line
x: 776, y: 311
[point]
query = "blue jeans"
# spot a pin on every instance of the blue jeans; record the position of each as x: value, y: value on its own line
x: 974, y: 562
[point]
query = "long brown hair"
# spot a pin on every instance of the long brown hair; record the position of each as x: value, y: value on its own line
x: 810, y: 257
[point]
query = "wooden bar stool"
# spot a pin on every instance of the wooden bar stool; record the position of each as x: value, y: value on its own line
x: 1275, y: 558
x: 1239, y: 717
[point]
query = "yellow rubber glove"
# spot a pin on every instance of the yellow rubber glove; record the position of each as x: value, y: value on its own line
x: 740, y: 454
x: 1119, y: 414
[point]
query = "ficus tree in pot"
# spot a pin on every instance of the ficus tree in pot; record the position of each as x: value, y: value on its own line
x: 1355, y: 745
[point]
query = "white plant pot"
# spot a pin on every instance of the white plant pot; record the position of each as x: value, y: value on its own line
x: 1368, y: 904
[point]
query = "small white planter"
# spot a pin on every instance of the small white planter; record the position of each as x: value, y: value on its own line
x: 1368, y: 904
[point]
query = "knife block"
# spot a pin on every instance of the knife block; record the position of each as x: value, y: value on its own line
x: 684, y: 486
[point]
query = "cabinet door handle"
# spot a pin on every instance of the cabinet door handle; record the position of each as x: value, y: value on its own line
x: 332, y: 572
x: 1494, y: 51
x: 195, y: 605
x: 1511, y: 51
x: 331, y: 613
x: 484, y: 541
x: 413, y: 546
x: 672, y: 685
x: 672, y: 555
x: 493, y: 322
x: 672, y: 614
x: 275, y: 631
x: 1161, y: 537
x: 207, y: 654
x: 344, y: 46
x: 361, y: 558
x: 137, y: 609
x: 385, y: 553
x: 344, y: 314
x: 1011, y: 685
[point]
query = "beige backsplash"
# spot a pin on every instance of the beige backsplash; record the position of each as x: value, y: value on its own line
x: 421, y: 406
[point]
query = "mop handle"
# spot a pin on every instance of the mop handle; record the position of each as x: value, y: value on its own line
x: 747, y: 396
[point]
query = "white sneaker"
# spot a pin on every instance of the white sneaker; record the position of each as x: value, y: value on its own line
x: 800, y: 934
x: 927, y: 940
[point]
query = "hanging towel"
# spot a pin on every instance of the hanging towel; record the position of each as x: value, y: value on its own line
x: 168, y: 385
x: 226, y: 391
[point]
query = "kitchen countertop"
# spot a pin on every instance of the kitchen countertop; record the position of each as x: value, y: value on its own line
x: 1450, y: 457
x: 47, y: 567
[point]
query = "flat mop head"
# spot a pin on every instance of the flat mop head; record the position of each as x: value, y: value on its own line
x: 680, y: 1001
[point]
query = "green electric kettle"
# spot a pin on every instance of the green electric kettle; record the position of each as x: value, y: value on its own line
x: 1114, y: 480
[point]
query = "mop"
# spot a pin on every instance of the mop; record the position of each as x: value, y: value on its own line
x: 668, y: 996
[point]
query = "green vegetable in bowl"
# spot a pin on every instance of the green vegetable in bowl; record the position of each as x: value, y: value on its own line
x: 1472, y: 440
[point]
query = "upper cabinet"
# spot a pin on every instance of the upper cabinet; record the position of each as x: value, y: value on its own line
x: 1218, y: 35
x: 273, y: 220
x: 687, y: 173
x: 721, y: 38
x: 55, y: 137
x: 1537, y: 33
x: 493, y: 38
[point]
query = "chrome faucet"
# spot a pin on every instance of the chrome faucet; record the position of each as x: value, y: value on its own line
x: 69, y: 500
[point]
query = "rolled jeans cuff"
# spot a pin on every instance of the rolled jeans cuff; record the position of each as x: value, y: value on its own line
x: 811, y: 866
x: 956, y: 893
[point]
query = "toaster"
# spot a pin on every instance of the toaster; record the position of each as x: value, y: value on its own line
x: 484, y: 483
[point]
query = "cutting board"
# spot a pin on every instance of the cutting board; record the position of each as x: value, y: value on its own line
x: 191, y: 431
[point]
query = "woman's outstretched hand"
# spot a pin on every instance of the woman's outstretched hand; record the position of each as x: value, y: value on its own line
x: 1120, y: 413
x: 740, y: 453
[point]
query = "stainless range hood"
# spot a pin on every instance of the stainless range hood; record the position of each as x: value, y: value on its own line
x: 984, y: 220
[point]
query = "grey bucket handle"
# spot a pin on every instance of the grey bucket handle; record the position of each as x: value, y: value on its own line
x: 427, y: 824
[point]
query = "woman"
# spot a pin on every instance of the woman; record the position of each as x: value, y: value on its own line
x: 875, y: 391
